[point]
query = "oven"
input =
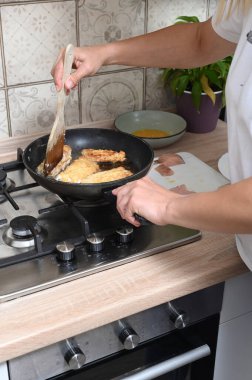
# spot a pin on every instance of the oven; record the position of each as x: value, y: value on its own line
x: 173, y: 341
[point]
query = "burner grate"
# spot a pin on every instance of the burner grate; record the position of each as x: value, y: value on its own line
x: 8, y: 186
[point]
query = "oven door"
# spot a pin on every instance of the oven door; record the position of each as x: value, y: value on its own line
x: 187, y: 354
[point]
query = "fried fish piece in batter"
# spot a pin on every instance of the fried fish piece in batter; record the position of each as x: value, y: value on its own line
x: 66, y: 159
x: 78, y: 170
x: 104, y: 155
x: 108, y: 175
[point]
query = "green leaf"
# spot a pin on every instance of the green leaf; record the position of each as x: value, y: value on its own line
x: 196, y: 94
x: 182, y: 84
x: 187, y: 19
x: 166, y: 75
x: 221, y: 67
x: 212, y: 77
x: 174, y: 84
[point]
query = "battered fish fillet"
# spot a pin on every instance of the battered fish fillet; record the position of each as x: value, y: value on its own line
x: 78, y: 170
x: 108, y: 175
x: 66, y: 159
x: 104, y: 155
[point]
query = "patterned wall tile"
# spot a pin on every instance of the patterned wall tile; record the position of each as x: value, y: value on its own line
x: 1, y: 71
x: 109, y: 95
x: 103, y: 21
x: 108, y: 20
x: 212, y: 6
x: 2, y: 2
x: 162, y: 13
x: 3, y: 117
x: 156, y: 96
x: 33, y: 35
x: 32, y: 109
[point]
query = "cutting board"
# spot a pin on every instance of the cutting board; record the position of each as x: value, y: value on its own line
x: 194, y: 173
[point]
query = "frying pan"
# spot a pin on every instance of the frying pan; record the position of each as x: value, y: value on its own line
x: 138, y: 152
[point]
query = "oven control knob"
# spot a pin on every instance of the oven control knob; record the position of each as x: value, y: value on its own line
x: 125, y: 234
x: 65, y: 251
x: 178, y: 317
x: 96, y: 242
x: 127, y: 336
x: 74, y: 356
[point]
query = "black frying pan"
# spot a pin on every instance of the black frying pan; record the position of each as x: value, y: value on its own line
x: 139, y: 154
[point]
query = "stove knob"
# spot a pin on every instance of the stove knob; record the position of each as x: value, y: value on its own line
x: 127, y: 335
x: 178, y: 317
x: 74, y: 356
x: 65, y: 251
x: 125, y: 234
x: 96, y: 242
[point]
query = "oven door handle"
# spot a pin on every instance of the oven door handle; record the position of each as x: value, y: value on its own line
x: 171, y: 364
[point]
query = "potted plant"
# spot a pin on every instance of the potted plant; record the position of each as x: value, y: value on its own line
x: 200, y: 91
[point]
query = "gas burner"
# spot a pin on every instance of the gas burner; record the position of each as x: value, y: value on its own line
x: 20, y: 232
x: 21, y: 226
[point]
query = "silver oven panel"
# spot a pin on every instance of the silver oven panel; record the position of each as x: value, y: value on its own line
x: 113, y: 338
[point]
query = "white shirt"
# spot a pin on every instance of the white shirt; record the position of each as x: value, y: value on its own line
x: 239, y: 107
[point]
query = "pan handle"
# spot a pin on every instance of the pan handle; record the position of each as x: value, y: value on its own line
x: 142, y: 220
x: 112, y: 199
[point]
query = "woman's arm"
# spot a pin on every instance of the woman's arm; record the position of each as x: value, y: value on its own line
x: 181, y: 46
x: 228, y: 209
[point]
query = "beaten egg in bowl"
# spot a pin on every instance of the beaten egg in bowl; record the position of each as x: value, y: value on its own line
x: 150, y: 133
x: 157, y: 128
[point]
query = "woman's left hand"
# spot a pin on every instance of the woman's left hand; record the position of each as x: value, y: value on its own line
x: 145, y: 198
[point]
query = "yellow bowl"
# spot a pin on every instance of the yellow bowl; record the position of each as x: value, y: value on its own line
x: 156, y: 122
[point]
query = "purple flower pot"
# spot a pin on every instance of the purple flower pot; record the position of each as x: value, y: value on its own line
x: 204, y: 120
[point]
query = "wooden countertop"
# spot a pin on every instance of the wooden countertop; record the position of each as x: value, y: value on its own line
x: 43, y: 318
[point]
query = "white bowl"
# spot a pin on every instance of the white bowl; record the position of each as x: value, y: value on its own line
x: 168, y: 122
x: 223, y: 166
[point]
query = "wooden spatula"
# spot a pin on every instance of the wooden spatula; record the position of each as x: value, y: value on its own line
x: 54, y: 151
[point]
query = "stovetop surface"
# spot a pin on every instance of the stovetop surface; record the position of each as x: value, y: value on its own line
x: 40, y: 270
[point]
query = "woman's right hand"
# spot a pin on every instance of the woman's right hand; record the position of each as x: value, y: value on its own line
x: 87, y: 61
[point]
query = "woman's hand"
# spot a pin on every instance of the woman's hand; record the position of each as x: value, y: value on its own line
x: 87, y: 61
x: 145, y: 198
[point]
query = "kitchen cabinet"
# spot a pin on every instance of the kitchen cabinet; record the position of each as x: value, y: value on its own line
x: 234, y: 349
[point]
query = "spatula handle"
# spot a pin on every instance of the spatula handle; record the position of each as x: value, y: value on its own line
x: 68, y: 62
x: 58, y: 128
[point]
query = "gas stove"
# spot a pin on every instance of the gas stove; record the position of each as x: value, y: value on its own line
x: 46, y: 241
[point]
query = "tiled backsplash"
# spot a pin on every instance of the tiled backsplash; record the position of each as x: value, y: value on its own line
x: 31, y: 35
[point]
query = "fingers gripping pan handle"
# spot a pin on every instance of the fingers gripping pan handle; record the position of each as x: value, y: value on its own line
x: 112, y: 199
x: 142, y: 220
